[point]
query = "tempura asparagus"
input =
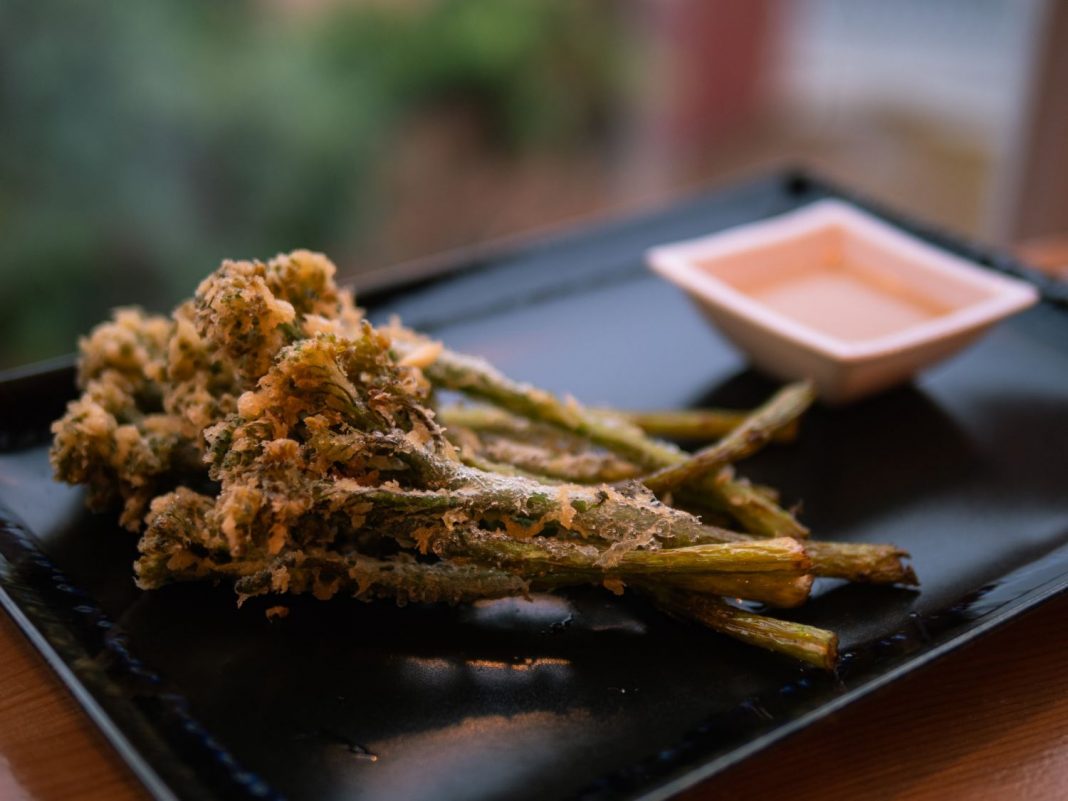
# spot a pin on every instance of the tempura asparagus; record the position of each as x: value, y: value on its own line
x: 695, y: 424
x: 816, y: 646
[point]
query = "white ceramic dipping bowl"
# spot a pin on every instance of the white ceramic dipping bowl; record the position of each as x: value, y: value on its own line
x: 831, y: 293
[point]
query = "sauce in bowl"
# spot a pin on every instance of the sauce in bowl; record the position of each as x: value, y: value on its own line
x: 836, y: 295
x: 847, y: 305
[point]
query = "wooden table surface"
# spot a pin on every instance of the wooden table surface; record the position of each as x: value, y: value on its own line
x: 989, y: 721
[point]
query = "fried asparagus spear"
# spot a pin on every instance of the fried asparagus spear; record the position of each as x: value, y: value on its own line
x: 784, y: 409
x: 695, y: 424
x: 809, y: 644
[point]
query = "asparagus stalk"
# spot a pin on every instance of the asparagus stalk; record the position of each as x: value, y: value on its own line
x: 494, y: 435
x: 494, y: 420
x: 784, y: 590
x: 854, y: 561
x: 694, y: 495
x: 696, y: 424
x: 693, y: 424
x: 784, y: 408
x: 749, y: 505
x: 577, y: 468
x: 326, y: 573
x: 693, y: 499
x: 861, y: 562
x: 480, y: 462
x: 538, y: 556
x: 478, y: 378
x: 809, y: 644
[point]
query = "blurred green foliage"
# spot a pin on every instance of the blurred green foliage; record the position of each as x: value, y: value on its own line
x: 140, y: 143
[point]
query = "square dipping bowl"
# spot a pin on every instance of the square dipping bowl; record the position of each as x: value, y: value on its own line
x: 832, y: 293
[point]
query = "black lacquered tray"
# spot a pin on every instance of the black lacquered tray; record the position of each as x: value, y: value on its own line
x: 577, y: 696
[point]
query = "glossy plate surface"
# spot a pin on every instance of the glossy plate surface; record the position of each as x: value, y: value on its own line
x: 578, y: 696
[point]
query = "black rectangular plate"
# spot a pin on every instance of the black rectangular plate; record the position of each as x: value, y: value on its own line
x: 582, y: 695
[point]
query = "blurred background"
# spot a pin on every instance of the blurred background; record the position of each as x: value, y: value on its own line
x: 141, y: 143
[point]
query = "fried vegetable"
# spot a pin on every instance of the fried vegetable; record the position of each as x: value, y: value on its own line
x: 809, y: 644
x: 267, y: 435
x: 781, y: 411
x: 696, y: 424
